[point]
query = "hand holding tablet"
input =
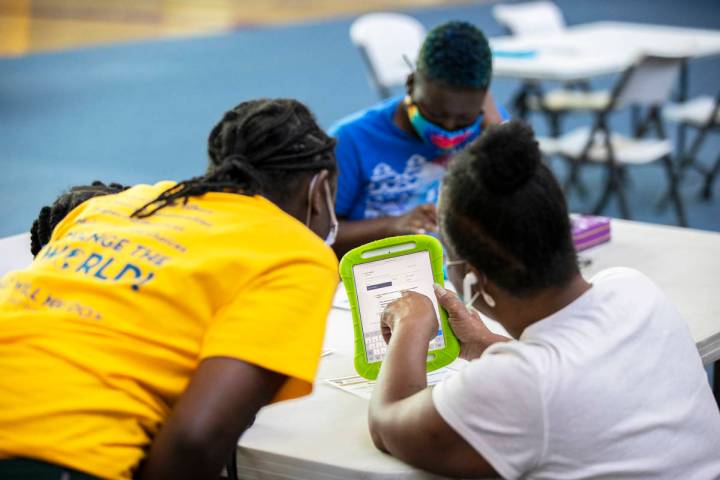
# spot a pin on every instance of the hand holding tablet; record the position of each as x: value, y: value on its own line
x: 378, y: 273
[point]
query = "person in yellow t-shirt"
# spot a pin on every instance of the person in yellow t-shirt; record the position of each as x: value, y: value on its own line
x: 157, y: 321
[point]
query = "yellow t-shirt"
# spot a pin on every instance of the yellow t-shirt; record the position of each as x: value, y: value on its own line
x: 101, y: 334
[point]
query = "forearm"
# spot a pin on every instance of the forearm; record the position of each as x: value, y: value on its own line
x: 403, y: 374
x: 353, y: 233
x: 220, y: 402
x: 184, y: 460
x: 404, y: 370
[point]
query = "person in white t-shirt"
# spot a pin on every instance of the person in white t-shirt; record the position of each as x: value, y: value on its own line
x: 600, y: 380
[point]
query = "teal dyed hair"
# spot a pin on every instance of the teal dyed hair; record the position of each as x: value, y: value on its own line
x: 457, y: 54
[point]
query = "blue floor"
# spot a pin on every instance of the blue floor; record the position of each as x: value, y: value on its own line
x: 141, y: 112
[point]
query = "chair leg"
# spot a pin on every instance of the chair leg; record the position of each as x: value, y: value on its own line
x: 689, y: 158
x: 624, y: 210
x: 635, y: 121
x: 709, y: 179
x: 613, y: 184
x: 686, y: 159
x: 623, y: 176
x: 610, y: 185
x: 553, y: 123
x: 673, y: 191
x: 520, y: 100
x: 568, y: 183
x: 574, y: 179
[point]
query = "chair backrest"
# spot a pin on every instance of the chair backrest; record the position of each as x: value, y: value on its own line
x: 649, y: 82
x: 530, y: 18
x: 383, y: 40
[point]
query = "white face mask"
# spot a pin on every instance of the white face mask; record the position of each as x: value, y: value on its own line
x: 469, y: 282
x: 332, y: 234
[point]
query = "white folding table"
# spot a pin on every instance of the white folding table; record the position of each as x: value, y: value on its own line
x: 325, y: 436
x: 14, y: 252
x: 594, y: 49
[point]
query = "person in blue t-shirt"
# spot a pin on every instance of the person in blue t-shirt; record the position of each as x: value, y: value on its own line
x: 392, y: 156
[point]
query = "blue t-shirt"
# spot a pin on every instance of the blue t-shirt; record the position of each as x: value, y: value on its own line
x: 384, y: 171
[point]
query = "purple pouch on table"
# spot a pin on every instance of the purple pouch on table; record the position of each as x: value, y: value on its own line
x: 588, y: 231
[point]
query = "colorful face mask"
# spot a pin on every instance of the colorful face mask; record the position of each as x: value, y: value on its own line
x: 445, y: 140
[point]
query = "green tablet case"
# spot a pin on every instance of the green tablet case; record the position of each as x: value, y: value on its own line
x: 396, y: 246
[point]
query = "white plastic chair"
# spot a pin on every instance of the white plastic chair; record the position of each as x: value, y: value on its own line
x: 544, y: 18
x: 703, y: 114
x: 531, y: 18
x: 647, y: 84
x: 383, y: 40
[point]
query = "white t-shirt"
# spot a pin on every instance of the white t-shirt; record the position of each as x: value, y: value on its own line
x: 611, y: 386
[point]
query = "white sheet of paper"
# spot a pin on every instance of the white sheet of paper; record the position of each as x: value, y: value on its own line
x: 357, y: 385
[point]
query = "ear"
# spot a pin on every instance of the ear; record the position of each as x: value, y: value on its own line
x: 469, y: 281
x: 481, y: 278
x: 410, y: 83
x: 317, y: 194
x: 483, y: 282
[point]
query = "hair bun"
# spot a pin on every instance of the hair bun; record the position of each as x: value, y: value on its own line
x: 507, y: 157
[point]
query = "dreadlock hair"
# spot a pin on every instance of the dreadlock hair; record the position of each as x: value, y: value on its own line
x: 503, y: 212
x: 257, y: 148
x: 457, y: 54
x: 50, y: 216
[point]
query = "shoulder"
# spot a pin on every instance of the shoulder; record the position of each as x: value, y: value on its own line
x: 507, y: 368
x: 625, y: 282
x: 515, y: 375
x: 96, y: 205
x: 375, y: 117
x: 496, y: 403
x: 508, y: 375
x: 525, y: 360
x: 619, y: 274
x: 311, y: 250
x: 262, y: 227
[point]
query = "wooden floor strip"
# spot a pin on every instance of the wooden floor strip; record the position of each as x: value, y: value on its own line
x: 47, y: 25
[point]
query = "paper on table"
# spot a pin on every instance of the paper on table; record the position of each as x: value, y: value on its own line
x: 363, y: 388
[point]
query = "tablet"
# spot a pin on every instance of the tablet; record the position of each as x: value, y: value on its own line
x: 375, y: 275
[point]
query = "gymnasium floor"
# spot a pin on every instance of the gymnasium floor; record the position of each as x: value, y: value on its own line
x: 130, y: 94
x: 48, y: 25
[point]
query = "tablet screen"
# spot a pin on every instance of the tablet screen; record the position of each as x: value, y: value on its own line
x: 379, y: 283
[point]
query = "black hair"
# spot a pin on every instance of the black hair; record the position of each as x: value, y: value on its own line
x: 258, y: 147
x: 50, y: 216
x: 504, y: 212
x: 458, y: 55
